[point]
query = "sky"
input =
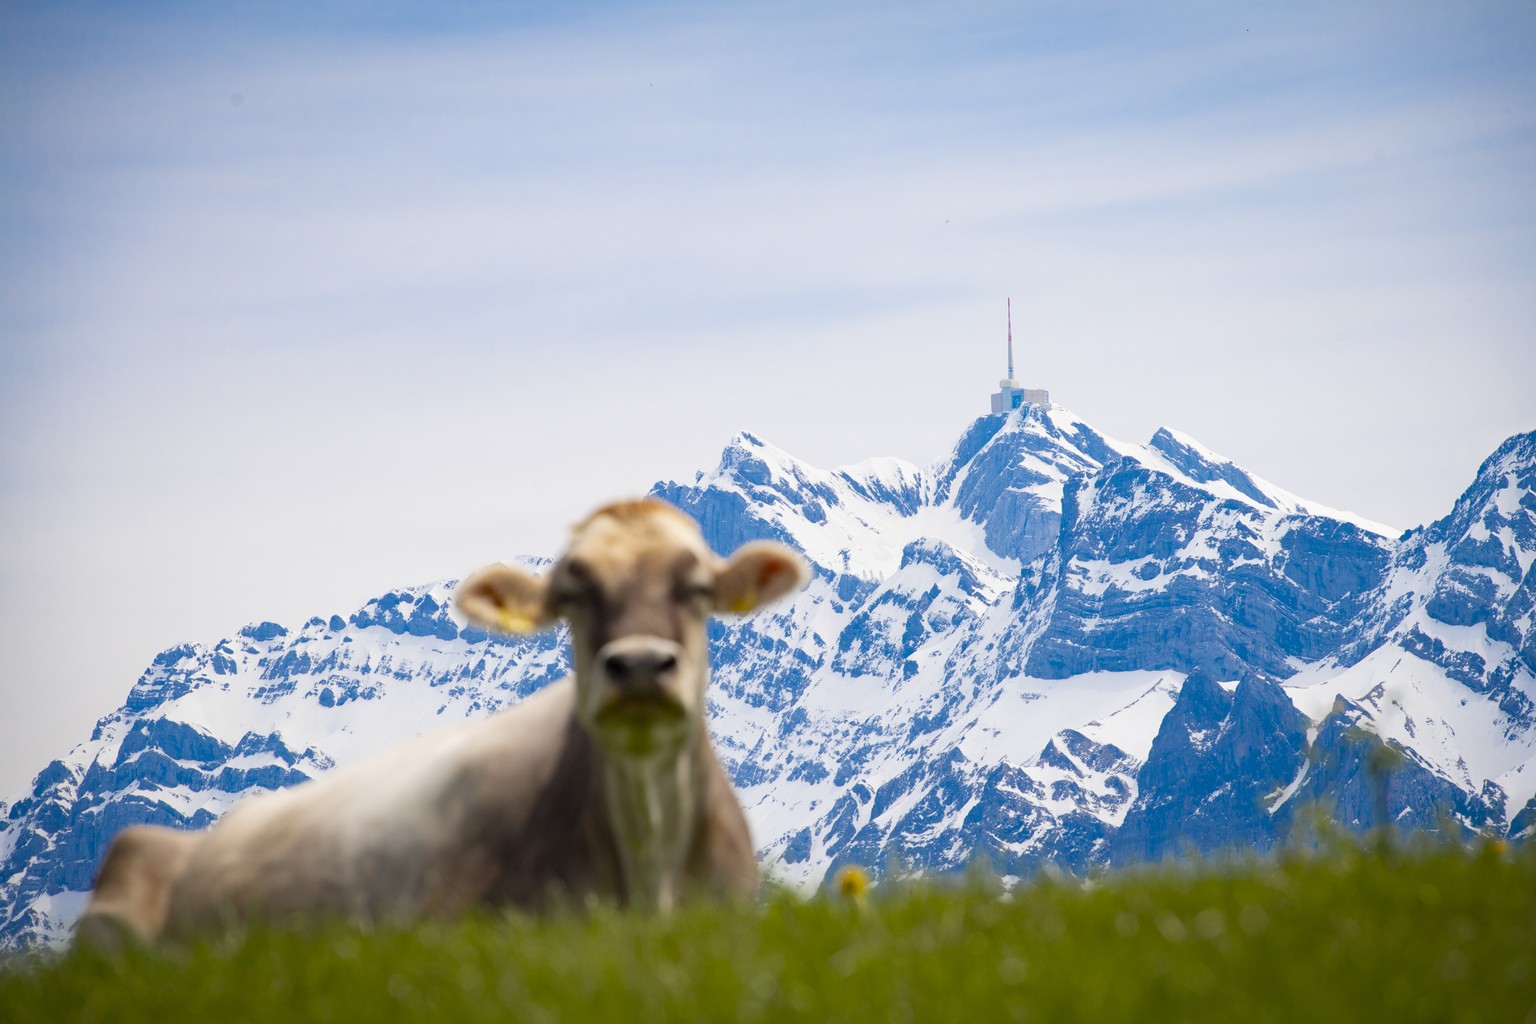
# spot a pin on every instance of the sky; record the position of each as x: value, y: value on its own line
x: 297, y: 306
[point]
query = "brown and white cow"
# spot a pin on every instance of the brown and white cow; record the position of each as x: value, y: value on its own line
x: 604, y: 785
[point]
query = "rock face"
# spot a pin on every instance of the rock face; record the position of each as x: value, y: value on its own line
x: 1152, y: 572
x: 1217, y: 771
x: 1049, y: 648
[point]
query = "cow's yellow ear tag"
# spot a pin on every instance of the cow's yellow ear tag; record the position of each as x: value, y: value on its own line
x: 514, y: 622
x: 745, y: 603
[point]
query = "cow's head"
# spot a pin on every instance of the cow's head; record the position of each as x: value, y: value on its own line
x: 636, y: 585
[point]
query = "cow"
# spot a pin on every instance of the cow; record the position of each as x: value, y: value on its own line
x: 603, y: 786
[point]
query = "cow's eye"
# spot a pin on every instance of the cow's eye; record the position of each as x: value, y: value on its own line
x: 571, y: 594
x: 695, y: 591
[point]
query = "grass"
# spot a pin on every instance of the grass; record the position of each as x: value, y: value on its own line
x: 1358, y: 934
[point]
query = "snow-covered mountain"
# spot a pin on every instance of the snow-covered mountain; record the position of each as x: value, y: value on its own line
x: 1049, y: 647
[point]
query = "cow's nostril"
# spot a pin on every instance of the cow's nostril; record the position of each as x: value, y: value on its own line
x: 618, y: 666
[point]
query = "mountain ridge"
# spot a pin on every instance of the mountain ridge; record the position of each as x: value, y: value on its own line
x: 1045, y: 647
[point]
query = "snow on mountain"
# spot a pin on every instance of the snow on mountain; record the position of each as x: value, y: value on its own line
x: 1049, y: 647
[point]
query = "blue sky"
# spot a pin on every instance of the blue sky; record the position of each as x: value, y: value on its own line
x: 299, y: 305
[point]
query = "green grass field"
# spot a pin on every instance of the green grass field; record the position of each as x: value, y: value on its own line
x: 1444, y: 934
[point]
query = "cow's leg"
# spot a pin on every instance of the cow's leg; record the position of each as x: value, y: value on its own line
x: 133, y: 886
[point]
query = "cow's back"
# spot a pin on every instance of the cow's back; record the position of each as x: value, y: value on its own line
x: 504, y: 811
x: 398, y: 835
x: 131, y: 897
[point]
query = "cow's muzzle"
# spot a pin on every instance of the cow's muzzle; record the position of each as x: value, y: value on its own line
x: 641, y: 679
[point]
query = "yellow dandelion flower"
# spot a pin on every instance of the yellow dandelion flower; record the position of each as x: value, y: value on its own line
x: 853, y: 883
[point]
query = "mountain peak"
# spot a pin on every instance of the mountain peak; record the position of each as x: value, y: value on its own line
x: 753, y: 460
x: 745, y: 439
x: 1220, y: 474
x: 1205, y: 466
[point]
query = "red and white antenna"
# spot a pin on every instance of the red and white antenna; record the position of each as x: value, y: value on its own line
x: 1010, y: 338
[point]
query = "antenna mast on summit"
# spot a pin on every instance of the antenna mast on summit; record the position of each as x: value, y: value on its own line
x: 1010, y: 338
x: 1010, y: 395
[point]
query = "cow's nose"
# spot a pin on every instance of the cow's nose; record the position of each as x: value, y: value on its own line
x: 639, y: 668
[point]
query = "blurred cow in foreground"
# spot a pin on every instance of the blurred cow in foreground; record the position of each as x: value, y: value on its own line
x: 604, y: 785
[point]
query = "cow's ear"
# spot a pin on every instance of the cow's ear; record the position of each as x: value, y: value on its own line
x: 504, y: 599
x: 756, y: 574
